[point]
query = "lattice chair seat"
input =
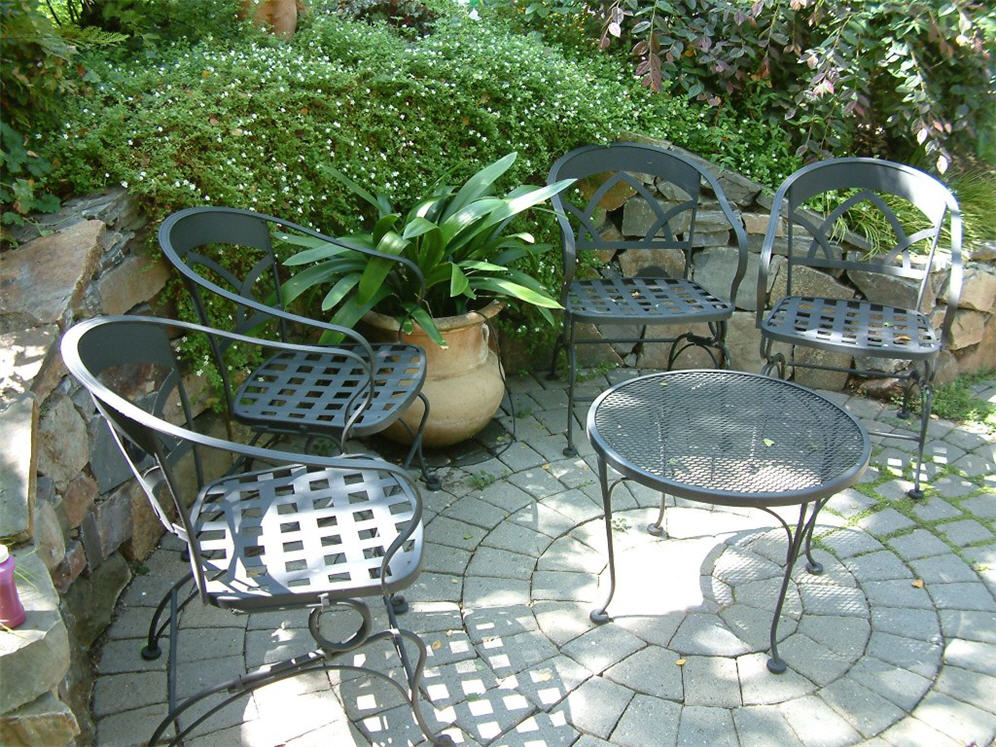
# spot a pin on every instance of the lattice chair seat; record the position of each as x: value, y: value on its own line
x: 846, y: 325
x: 309, y: 393
x: 656, y: 299
x: 293, y: 534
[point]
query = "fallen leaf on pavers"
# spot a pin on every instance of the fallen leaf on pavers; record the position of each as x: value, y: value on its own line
x: 918, y: 583
x: 436, y: 645
x: 768, y: 442
x: 680, y: 662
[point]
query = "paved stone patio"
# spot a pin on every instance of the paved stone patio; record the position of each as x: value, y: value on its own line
x: 894, y: 644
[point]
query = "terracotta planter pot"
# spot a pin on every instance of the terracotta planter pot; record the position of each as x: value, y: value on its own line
x: 463, y: 383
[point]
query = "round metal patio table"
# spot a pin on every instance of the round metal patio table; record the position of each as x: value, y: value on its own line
x: 727, y: 438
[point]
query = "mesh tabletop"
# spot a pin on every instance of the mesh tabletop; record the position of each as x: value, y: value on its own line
x: 728, y: 437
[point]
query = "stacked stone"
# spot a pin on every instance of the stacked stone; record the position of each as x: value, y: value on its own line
x: 71, y: 528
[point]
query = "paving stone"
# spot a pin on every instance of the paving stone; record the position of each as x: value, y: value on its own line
x: 834, y: 600
x: 505, y: 496
x: 946, y: 568
x: 878, y: 566
x: 952, y: 486
x: 451, y: 533
x: 971, y: 625
x: 935, y: 509
x: 921, y: 657
x: 983, y: 506
x: 711, y: 681
x: 540, y: 728
x: 442, y: 559
x: 473, y: 510
x: 817, y: 723
x: 965, y: 532
x: 539, y: 517
x: 865, y: 710
x: 440, y: 587
x: 751, y: 625
x: 647, y: 721
x: 847, y: 543
x: 967, y: 686
x: 964, y: 596
x: 895, y: 490
x: 518, y: 539
x: 486, y: 716
x: 652, y: 671
x: 565, y: 586
x: 601, y: 647
x: 707, y: 635
x: 845, y: 636
x: 124, y: 655
x: 130, y: 727
x: 491, y: 561
x: 597, y: 706
x: 562, y: 621
x: 569, y: 554
x: 959, y: 720
x: 759, y: 687
x: 519, y: 456
x: 536, y: 482
x: 575, y: 505
x: 813, y: 660
x: 896, y: 594
x: 966, y: 439
x: 918, y: 544
x: 885, y: 522
x: 299, y: 705
x: 701, y: 725
x: 124, y: 692
x: 900, y: 686
x: 763, y: 726
x: 920, y: 624
x: 972, y: 655
x: 510, y: 654
x: 912, y: 732
x: 849, y: 502
x: 546, y: 684
x: 481, y: 591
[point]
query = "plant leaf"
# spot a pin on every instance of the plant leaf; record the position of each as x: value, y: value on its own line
x: 478, y: 185
x: 514, y: 290
x: 458, y: 281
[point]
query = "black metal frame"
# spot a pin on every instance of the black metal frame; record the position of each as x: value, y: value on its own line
x: 291, y: 394
x: 859, y: 327
x: 799, y: 539
x: 349, y: 526
x: 640, y: 301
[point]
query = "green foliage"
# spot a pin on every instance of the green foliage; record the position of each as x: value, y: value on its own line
x: 976, y: 192
x: 410, y: 17
x: 19, y: 192
x: 909, y: 80
x: 459, y: 239
x: 956, y: 401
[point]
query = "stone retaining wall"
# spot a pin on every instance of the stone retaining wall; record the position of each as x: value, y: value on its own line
x: 78, y: 525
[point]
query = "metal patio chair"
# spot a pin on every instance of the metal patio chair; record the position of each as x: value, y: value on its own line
x: 645, y: 171
x: 810, y: 207
x: 270, y: 530
x: 286, y: 394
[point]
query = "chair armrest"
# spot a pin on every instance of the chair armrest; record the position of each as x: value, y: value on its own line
x: 767, y: 249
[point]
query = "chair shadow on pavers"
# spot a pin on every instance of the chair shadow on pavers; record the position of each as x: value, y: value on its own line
x: 266, y: 531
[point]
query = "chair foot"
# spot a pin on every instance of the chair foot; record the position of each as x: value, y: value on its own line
x: 432, y: 482
x: 399, y: 604
x: 656, y: 529
x: 776, y: 665
x: 915, y: 493
x: 570, y: 451
x: 151, y: 653
x: 599, y: 616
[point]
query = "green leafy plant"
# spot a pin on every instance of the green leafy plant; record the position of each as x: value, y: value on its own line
x: 459, y: 239
x: 913, y: 78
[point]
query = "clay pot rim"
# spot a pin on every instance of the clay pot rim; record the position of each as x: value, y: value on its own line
x: 444, y: 323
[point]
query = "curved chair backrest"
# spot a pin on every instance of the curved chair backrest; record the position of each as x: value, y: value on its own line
x: 912, y: 206
x: 114, y: 358
x: 612, y: 173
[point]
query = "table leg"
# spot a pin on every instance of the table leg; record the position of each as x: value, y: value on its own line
x: 803, y: 533
x: 657, y: 528
x: 813, y: 565
x: 600, y: 615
